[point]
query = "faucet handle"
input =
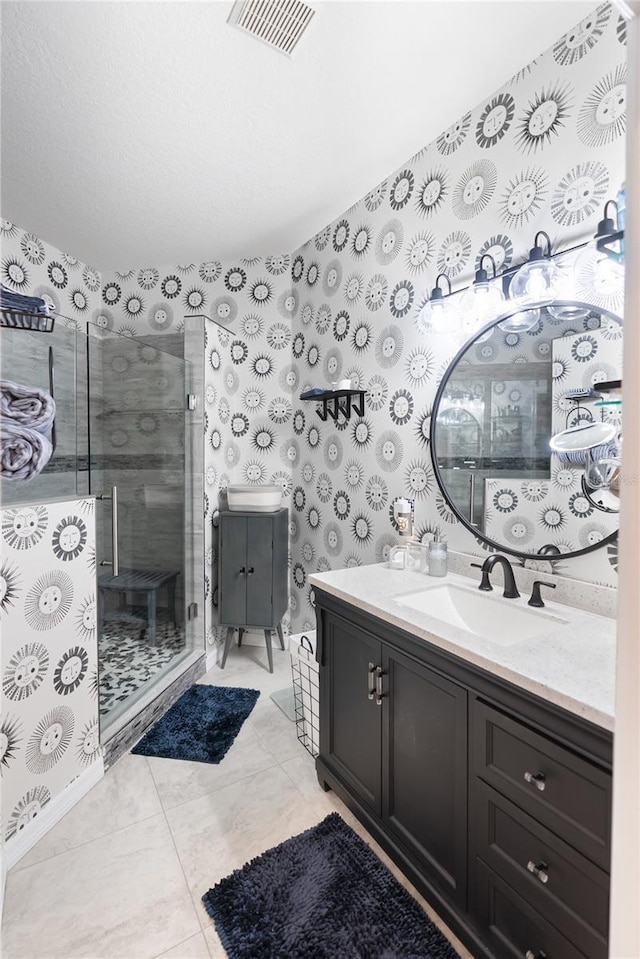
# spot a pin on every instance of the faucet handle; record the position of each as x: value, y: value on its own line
x: 536, y: 598
x: 485, y: 584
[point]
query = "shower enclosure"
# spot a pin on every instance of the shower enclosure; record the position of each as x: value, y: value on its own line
x: 127, y: 433
x: 140, y: 468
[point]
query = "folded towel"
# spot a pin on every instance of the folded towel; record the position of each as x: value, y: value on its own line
x: 27, y: 406
x: 10, y: 300
x: 23, y: 452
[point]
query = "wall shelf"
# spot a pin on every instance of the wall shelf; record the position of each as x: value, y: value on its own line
x: 335, y: 402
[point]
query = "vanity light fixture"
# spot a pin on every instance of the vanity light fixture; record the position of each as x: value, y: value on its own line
x: 439, y: 314
x: 601, y: 260
x: 538, y: 280
x: 484, y: 299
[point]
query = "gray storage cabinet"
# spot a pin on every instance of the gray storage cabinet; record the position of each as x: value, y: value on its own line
x: 253, y: 573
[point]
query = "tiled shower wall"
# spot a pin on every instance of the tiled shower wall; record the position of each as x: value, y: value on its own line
x: 544, y: 152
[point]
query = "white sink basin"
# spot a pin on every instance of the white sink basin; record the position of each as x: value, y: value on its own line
x: 502, y: 621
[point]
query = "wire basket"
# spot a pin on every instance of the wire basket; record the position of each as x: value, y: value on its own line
x: 306, y: 695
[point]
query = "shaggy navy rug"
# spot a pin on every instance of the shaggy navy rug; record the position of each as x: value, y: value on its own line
x: 321, y: 895
x: 201, y: 725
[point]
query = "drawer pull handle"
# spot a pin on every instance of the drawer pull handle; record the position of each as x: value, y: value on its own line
x: 371, y: 683
x: 536, y: 779
x: 379, y: 693
x: 529, y: 954
x: 539, y: 870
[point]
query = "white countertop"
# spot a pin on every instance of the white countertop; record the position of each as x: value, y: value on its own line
x: 569, y: 663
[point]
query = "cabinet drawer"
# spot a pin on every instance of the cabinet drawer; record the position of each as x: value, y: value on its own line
x: 568, y: 890
x: 512, y: 929
x: 568, y: 794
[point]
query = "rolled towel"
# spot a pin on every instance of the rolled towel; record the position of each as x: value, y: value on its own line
x: 23, y: 452
x: 27, y: 406
x: 10, y: 300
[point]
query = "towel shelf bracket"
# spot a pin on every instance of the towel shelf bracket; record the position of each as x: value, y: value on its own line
x: 336, y: 402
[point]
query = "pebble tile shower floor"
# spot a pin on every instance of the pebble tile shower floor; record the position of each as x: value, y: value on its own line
x: 122, y: 875
x: 128, y: 662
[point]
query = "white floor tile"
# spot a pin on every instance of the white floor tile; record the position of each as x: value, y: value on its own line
x: 193, y: 948
x: 124, y: 796
x: 122, y: 876
x: 121, y: 897
x: 221, y: 831
x: 216, y: 949
x: 179, y: 781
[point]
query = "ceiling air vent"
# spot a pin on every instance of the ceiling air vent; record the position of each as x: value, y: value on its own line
x: 280, y: 23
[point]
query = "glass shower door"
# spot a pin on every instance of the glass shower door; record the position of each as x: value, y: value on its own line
x: 140, y: 472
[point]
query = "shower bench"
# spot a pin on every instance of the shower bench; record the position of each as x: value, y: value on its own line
x: 139, y: 581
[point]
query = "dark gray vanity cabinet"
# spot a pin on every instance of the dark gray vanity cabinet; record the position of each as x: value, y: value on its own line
x: 351, y: 734
x: 540, y: 841
x: 253, y: 568
x: 394, y: 732
x: 493, y: 802
x: 424, y: 761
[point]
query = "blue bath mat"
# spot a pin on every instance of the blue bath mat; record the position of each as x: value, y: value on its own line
x: 322, y: 895
x: 201, y: 725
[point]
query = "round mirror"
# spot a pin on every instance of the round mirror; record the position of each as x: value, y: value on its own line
x: 502, y: 401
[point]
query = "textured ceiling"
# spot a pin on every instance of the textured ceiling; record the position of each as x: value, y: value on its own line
x: 149, y: 132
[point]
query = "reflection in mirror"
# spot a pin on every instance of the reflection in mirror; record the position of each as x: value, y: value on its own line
x: 502, y: 400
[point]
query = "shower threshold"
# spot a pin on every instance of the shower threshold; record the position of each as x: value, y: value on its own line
x: 111, y: 727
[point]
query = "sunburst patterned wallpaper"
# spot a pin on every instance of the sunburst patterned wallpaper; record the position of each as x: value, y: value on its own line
x: 49, y: 727
x: 250, y: 380
x: 545, y: 152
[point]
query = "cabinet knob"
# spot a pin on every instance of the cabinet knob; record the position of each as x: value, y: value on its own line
x: 250, y: 571
x: 536, y: 779
x: 241, y: 571
x: 539, y: 870
x: 529, y: 954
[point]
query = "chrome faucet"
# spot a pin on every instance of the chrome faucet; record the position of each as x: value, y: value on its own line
x: 510, y: 588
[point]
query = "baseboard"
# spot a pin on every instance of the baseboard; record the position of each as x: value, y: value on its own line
x: 20, y: 844
x: 212, y: 659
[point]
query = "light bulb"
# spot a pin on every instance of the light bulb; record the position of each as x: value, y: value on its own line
x: 535, y: 282
x: 598, y: 273
x: 481, y: 303
x: 439, y: 317
x: 520, y: 322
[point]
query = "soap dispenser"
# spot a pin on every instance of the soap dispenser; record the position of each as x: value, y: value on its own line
x: 437, y: 557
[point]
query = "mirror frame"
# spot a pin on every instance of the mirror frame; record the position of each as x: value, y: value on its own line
x: 500, y: 547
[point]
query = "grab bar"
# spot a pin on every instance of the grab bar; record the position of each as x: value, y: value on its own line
x: 52, y: 394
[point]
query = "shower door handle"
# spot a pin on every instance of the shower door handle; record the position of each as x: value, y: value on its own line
x: 114, y: 562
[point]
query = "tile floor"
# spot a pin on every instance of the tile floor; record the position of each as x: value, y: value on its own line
x: 122, y: 875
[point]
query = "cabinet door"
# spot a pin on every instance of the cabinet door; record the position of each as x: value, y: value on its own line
x: 351, y: 722
x: 259, y: 571
x: 232, y: 575
x: 425, y: 769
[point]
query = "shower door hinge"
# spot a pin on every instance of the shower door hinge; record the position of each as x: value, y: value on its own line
x: 192, y: 611
x: 192, y: 401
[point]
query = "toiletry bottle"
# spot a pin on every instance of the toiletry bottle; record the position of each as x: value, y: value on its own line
x: 437, y: 557
x: 403, y: 512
